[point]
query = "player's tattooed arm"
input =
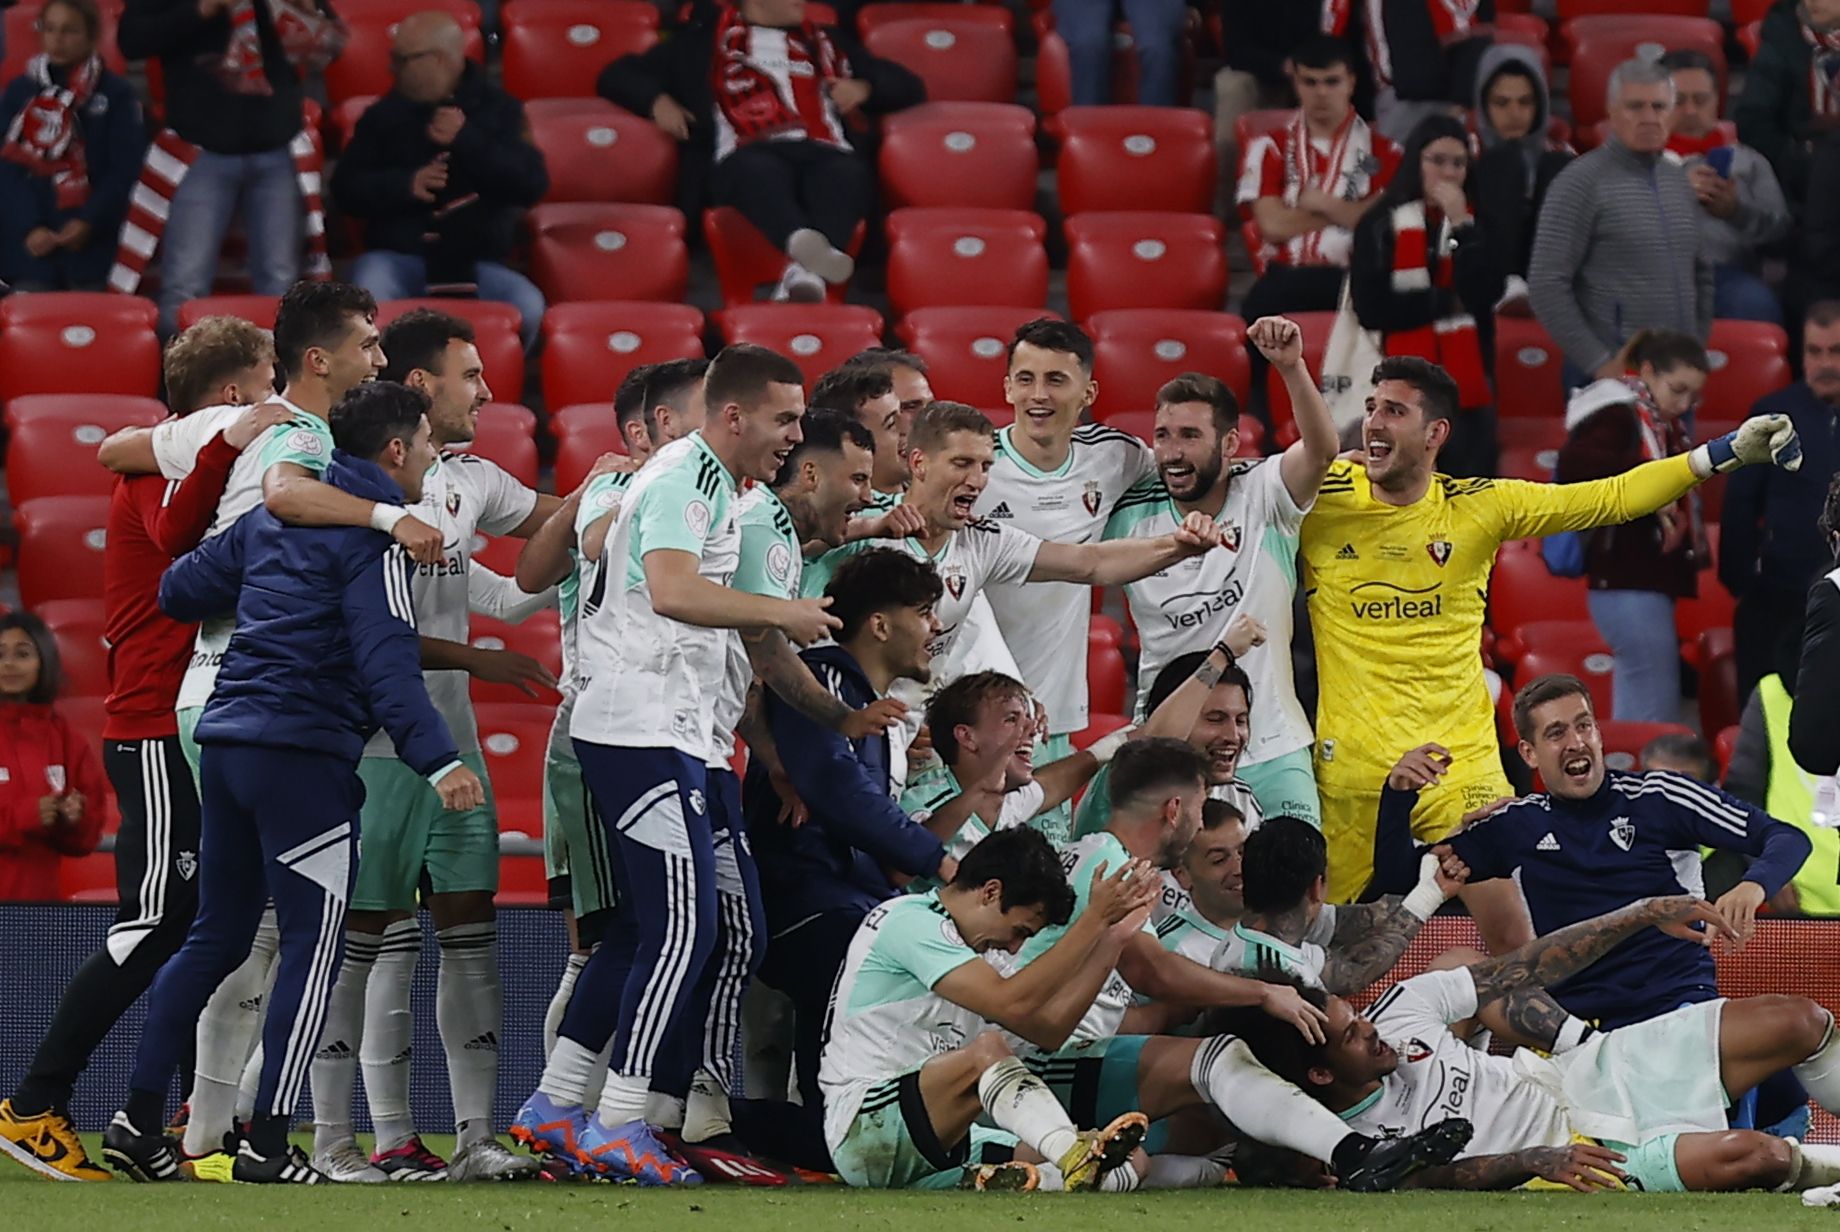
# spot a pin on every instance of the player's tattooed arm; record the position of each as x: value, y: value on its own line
x: 1584, y: 1166
x: 779, y: 667
x: 1545, y: 961
x: 1368, y: 940
x: 1534, y: 1017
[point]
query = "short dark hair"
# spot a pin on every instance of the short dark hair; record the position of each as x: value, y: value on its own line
x: 1053, y: 334
x: 961, y: 702
x: 1684, y: 747
x: 1830, y: 509
x: 939, y: 420
x: 317, y: 314
x: 50, y: 666
x: 741, y: 372
x: 889, y: 357
x: 1027, y: 865
x: 879, y: 580
x: 1437, y: 389
x: 87, y: 11
x: 1686, y: 58
x: 1155, y: 765
x: 1217, y: 813
x: 846, y: 387
x: 375, y: 413
x: 1665, y: 350
x: 629, y: 401
x: 824, y: 431
x: 1200, y: 387
x: 418, y: 339
x: 1536, y: 693
x: 1180, y: 668
x: 1284, y: 857
x: 1324, y: 51
x: 1278, y: 1045
x: 1823, y: 312
x: 668, y: 382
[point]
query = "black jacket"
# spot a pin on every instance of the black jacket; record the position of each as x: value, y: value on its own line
x: 1424, y: 69
x: 1478, y: 279
x: 1261, y: 36
x: 1821, y: 215
x: 1773, y: 111
x: 1769, y: 544
x: 198, y: 107
x: 1814, y: 723
x: 494, y: 174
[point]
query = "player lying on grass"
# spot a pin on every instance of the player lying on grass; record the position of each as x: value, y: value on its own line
x: 1642, y: 1105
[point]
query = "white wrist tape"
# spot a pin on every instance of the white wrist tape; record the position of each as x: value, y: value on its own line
x: 1106, y: 747
x: 1427, y: 896
x: 385, y: 517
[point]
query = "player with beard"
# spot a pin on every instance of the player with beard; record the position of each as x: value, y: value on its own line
x: 1210, y: 885
x: 1259, y: 505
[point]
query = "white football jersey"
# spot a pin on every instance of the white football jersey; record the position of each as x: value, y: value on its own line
x: 644, y: 680
x: 601, y: 499
x: 1188, y: 606
x: 1247, y: 951
x: 1041, y: 621
x: 771, y: 565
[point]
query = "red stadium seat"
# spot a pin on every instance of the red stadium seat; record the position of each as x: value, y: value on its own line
x: 588, y: 348
x: 874, y: 16
x: 966, y: 349
x: 256, y: 309
x: 515, y: 741
x: 1109, y: 154
x: 1530, y: 462
x: 959, y: 59
x: 1593, y: 667
x: 1749, y: 359
x: 961, y: 154
x: 602, y: 157
x: 53, y: 457
x: 1137, y: 350
x: 1568, y: 9
x: 78, y: 342
x: 572, y: 107
x: 1712, y: 608
x: 556, y: 48
x: 84, y: 657
x: 463, y: 11
x: 1723, y: 747
x: 945, y: 257
x: 1526, y: 30
x: 1145, y: 260
x: 495, y: 330
x: 1315, y: 327
x: 582, y: 251
x: 1743, y: 12
x: 1522, y: 591
x: 61, y: 539
x: 363, y: 67
x: 1598, y: 44
x: 88, y: 879
x: 1105, y: 675
x: 1528, y: 371
x: 1750, y: 37
x: 1564, y: 636
x: 345, y: 117
x: 507, y: 440
x: 539, y: 637
x: 583, y: 433
x: 499, y: 553
x: 1547, y: 433
x: 746, y: 261
x: 816, y: 337
x: 1624, y: 742
x: 1098, y: 726
x: 21, y: 41
x: 1054, y: 77
x: 1718, y: 681
x: 106, y: 412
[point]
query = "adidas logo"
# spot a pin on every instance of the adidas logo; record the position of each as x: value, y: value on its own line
x: 337, y: 1050
x: 483, y: 1043
x: 1001, y: 511
x: 1348, y: 553
x: 1549, y: 843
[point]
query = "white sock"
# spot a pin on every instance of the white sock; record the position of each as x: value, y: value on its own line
x: 469, y: 1009
x: 389, y: 1034
x: 708, y: 1115
x: 1812, y: 1164
x: 334, y: 1073
x: 1820, y: 1073
x: 252, y: 1076
x: 623, y: 1099
x: 1052, y: 1179
x: 1022, y: 1103
x: 591, y: 1098
x: 1260, y: 1103
x: 665, y: 1111
x: 569, y: 1073
x: 1119, y: 1180
x: 559, y: 1003
x: 1184, y: 1172
x: 227, y: 1031
x: 1572, y: 1032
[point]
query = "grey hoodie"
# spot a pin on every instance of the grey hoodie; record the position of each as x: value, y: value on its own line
x: 1493, y: 61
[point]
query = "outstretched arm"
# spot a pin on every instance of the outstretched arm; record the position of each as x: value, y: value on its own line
x: 1565, y: 952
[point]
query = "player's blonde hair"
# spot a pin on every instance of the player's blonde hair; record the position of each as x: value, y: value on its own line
x: 199, y: 360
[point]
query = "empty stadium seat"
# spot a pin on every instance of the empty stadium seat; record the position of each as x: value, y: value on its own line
x: 1568, y: 9
x: 84, y: 657
x: 966, y: 349
x: 61, y: 539
x: 1110, y: 155
x: 873, y: 16
x: 1315, y: 327
x: 556, y: 48
x: 78, y: 342
x: 1565, y: 636
x: 1712, y: 608
x: 363, y: 65
x: 583, y: 251
x: 583, y: 433
x: 1145, y: 260
x: 1137, y: 350
x: 588, y: 348
x: 256, y: 309
x: 602, y: 157
x: 1097, y: 727
x: 1547, y: 433
x: 1105, y: 674
x: 515, y: 742
x: 1598, y: 44
x: 746, y: 261
x: 816, y: 337
x: 495, y: 332
x: 961, y: 154
x: 1522, y: 590
x: 959, y: 59
x: 106, y: 412
x: 1750, y: 37
x: 1749, y: 359
x: 1718, y: 681
x: 1723, y: 747
x: 1529, y: 367
x: 1526, y: 30
x: 1054, y: 78
x: 943, y: 257
x: 53, y: 457
x: 1531, y: 462
x: 1624, y: 742
x: 1591, y: 666
x: 507, y: 440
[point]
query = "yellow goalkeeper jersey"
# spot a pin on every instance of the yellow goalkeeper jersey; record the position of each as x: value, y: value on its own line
x: 1397, y: 598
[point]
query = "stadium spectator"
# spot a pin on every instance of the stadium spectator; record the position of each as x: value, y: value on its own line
x: 1680, y: 752
x: 1307, y: 184
x: 1617, y: 246
x: 73, y: 147
x: 234, y: 141
x: 1637, y: 570
x: 441, y: 170
x: 1424, y: 58
x: 1814, y: 726
x: 1257, y: 73
x: 784, y: 160
x: 54, y: 798
x: 1742, y: 208
x: 1519, y: 158
x: 1770, y: 546
x: 1425, y: 273
x: 1817, y: 274
x: 1158, y: 28
x: 1790, y: 98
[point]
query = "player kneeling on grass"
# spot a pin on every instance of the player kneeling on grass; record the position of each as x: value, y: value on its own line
x: 1643, y: 1105
x: 913, y: 1057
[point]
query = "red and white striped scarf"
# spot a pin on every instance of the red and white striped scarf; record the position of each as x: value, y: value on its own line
x: 1661, y: 438
x: 309, y: 39
x: 45, y: 137
x: 169, y: 158
x: 763, y: 97
x: 1684, y: 147
x: 1823, y: 69
x: 1351, y: 148
x: 1451, y: 342
x: 1454, y: 20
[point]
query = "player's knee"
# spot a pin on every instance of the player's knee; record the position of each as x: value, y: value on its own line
x: 987, y: 1049
x: 1751, y: 1160
x: 1802, y: 1020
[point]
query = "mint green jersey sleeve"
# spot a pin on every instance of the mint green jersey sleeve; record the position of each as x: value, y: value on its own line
x: 925, y: 944
x: 1142, y: 500
x: 770, y: 563
x: 672, y: 514
x: 303, y: 441
x: 817, y: 573
x: 602, y: 498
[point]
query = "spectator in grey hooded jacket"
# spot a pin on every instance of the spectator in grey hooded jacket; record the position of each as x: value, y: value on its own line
x: 1509, y: 179
x: 1742, y: 207
x: 1617, y: 247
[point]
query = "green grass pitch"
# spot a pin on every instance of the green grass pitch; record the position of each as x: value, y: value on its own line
x: 42, y: 1206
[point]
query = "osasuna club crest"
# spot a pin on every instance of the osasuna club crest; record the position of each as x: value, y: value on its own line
x: 453, y: 504
x: 1623, y: 833
x: 955, y: 582
x: 1229, y: 536
x: 1440, y: 551
x: 187, y: 863
x: 1091, y: 498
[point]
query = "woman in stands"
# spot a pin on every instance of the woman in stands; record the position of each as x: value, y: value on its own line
x: 52, y: 797
x: 1425, y: 275
x: 1636, y: 571
x: 73, y: 146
